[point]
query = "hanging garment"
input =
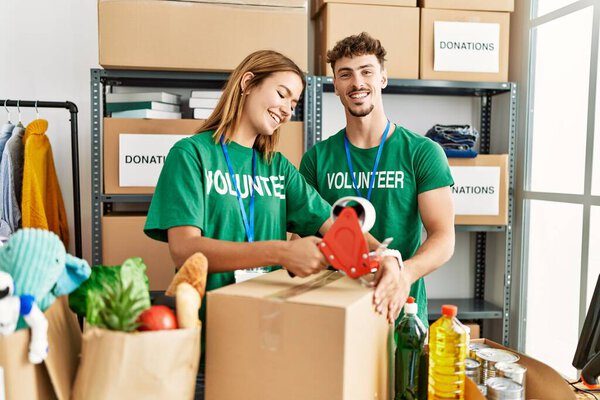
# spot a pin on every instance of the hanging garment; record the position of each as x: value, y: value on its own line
x: 5, y: 133
x: 42, y: 204
x: 11, y: 183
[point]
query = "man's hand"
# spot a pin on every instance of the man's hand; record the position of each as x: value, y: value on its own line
x: 303, y: 258
x: 391, y: 289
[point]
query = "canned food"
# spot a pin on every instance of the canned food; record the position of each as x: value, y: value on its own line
x: 499, y: 388
x: 482, y: 389
x: 513, y: 371
x: 490, y: 357
x: 473, y: 370
x: 473, y: 347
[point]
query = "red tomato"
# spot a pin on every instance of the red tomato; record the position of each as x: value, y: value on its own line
x: 157, y: 318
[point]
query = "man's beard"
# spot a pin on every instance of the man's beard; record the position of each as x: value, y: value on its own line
x: 361, y: 113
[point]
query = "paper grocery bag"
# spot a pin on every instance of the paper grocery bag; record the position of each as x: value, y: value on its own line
x: 139, y: 365
x: 53, y: 378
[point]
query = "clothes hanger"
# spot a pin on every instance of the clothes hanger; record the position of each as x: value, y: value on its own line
x: 37, y: 113
x: 19, y: 124
x: 8, y: 112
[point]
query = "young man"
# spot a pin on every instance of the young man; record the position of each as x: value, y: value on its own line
x: 405, y: 175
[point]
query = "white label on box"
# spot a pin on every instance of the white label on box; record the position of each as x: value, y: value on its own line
x: 476, y: 190
x: 466, y: 47
x: 141, y: 157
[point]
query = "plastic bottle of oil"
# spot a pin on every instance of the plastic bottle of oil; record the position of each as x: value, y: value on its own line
x: 447, y: 353
x: 411, y: 335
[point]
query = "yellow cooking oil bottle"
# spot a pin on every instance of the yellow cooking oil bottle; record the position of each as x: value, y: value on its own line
x: 447, y: 353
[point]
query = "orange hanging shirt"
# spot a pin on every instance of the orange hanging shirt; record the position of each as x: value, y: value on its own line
x: 42, y: 204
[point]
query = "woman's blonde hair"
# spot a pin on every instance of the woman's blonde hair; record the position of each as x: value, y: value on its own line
x: 228, y: 111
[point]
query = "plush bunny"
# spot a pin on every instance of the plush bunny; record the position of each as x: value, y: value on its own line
x: 11, y: 307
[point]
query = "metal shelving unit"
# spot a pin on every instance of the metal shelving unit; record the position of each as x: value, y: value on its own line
x: 476, y: 307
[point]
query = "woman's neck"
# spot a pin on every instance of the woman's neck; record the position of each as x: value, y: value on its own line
x: 244, y: 136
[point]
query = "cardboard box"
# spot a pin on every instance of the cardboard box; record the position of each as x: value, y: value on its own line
x: 123, y: 237
x: 476, y: 5
x: 291, y: 141
x: 177, y: 35
x: 478, y: 59
x: 273, y: 3
x: 316, y: 5
x: 474, y: 330
x: 113, y: 127
x: 396, y: 27
x: 53, y: 378
x: 541, y: 382
x: 274, y: 337
x: 480, y: 189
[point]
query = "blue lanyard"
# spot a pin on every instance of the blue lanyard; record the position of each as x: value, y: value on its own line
x: 248, y: 224
x: 372, y: 181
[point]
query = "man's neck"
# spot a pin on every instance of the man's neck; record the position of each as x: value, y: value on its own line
x: 365, y: 132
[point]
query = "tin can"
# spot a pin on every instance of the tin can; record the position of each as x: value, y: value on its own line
x: 473, y: 347
x: 489, y: 357
x: 482, y: 389
x: 499, y: 388
x: 473, y: 370
x: 513, y: 371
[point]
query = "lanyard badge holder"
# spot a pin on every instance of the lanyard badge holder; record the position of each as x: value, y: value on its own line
x: 248, y: 220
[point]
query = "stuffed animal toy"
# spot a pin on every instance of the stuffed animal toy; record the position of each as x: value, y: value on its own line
x: 11, y: 307
x: 40, y: 266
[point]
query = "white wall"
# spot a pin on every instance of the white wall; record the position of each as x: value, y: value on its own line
x: 47, y: 49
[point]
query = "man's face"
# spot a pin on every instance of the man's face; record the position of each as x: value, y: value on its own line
x: 358, y: 82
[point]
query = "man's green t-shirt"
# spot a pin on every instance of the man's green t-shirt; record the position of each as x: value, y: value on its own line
x: 410, y: 164
x: 194, y: 189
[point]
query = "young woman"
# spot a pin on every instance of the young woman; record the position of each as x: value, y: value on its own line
x: 226, y: 193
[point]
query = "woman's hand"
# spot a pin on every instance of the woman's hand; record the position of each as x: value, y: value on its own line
x: 302, y: 257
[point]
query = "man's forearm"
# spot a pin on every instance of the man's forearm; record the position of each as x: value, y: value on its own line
x: 432, y: 254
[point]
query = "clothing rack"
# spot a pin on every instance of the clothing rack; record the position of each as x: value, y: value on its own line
x: 74, y: 154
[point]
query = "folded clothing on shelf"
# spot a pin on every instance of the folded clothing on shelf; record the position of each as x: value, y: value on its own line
x: 456, y: 140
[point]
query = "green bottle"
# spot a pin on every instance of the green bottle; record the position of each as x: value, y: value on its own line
x: 411, y: 337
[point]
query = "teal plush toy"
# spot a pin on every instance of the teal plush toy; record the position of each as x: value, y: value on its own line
x: 40, y: 265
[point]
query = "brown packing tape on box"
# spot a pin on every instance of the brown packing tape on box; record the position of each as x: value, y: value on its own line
x: 53, y: 378
x: 542, y: 382
x: 138, y: 365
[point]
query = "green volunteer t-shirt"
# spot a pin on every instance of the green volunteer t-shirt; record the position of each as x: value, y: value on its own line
x: 410, y: 164
x: 194, y: 189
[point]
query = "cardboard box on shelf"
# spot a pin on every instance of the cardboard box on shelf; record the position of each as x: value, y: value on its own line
x: 316, y: 5
x: 123, y: 237
x: 396, y: 27
x: 291, y: 141
x: 480, y: 189
x: 464, y: 45
x: 113, y: 128
x: 542, y: 382
x: 53, y: 378
x: 307, y: 335
x: 178, y: 35
x: 475, y: 5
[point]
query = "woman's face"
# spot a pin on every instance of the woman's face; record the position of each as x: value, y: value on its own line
x: 271, y: 104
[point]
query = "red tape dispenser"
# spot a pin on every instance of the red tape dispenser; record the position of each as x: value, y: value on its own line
x: 344, y: 245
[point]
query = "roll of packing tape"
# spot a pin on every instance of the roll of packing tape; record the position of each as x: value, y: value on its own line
x: 363, y: 207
